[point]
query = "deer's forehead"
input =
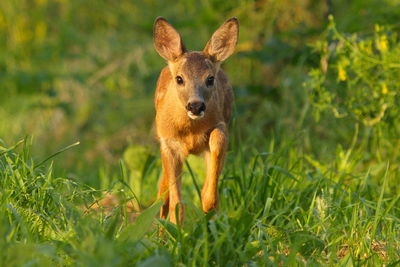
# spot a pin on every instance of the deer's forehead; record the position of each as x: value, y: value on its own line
x: 194, y: 64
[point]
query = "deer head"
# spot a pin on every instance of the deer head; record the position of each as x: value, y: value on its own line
x: 195, y: 72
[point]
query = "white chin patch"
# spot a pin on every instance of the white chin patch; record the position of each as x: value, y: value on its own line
x: 195, y: 117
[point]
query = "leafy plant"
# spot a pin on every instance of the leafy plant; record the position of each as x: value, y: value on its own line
x: 357, y: 76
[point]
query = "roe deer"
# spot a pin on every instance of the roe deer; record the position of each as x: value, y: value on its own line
x: 193, y: 102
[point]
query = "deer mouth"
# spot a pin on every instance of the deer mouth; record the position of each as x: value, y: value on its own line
x: 194, y: 116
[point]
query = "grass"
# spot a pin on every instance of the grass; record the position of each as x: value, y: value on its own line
x: 276, y: 209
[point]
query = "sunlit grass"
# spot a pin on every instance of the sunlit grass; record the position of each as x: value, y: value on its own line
x: 275, y: 209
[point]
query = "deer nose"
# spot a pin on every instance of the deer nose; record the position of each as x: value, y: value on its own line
x: 196, y: 107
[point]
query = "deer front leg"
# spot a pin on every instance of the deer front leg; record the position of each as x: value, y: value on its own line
x: 215, y: 162
x: 164, y: 194
x: 171, y: 181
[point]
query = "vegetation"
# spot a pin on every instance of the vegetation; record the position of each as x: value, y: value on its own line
x: 311, y: 176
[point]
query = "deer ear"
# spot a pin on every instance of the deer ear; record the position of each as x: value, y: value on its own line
x: 223, y: 41
x: 167, y: 40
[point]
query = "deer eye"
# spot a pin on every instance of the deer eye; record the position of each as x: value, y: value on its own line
x: 179, y: 80
x: 210, y: 81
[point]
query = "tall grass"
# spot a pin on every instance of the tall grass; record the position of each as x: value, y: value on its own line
x: 275, y: 209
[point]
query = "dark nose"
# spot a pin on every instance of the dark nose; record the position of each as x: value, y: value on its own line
x: 196, y: 107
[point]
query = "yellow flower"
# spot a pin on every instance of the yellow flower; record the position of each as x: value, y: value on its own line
x: 245, y: 46
x: 2, y: 21
x: 383, y: 43
x: 384, y: 89
x: 41, y: 2
x: 21, y: 32
x: 40, y: 31
x: 342, y: 76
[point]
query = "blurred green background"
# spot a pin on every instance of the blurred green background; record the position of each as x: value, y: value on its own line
x: 86, y: 71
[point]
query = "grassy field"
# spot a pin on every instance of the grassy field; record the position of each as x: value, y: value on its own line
x: 313, y: 167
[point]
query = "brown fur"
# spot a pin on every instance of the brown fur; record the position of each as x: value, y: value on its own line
x: 180, y: 135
